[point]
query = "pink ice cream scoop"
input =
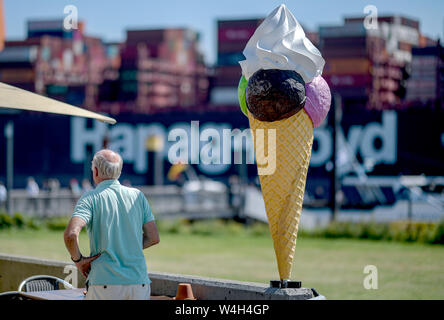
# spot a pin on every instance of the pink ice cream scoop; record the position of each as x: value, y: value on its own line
x: 318, y: 99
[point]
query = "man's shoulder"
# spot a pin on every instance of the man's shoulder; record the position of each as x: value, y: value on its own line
x: 87, y: 195
x: 131, y: 190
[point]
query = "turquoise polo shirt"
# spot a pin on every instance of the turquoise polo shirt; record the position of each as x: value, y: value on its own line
x: 114, y: 215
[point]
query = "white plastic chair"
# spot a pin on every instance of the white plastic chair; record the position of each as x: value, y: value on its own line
x: 42, y: 283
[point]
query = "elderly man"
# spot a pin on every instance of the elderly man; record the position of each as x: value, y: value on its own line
x: 120, y: 225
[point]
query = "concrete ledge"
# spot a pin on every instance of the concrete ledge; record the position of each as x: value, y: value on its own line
x: 14, y: 269
x: 221, y: 289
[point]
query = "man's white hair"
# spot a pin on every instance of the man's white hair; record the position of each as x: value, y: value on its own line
x: 108, y: 163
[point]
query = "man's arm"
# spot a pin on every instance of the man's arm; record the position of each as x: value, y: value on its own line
x: 150, y: 234
x: 71, y: 237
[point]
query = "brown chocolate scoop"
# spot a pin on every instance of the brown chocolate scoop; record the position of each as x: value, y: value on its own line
x: 275, y: 94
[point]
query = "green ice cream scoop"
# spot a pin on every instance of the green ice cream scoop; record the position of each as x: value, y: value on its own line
x: 241, y: 89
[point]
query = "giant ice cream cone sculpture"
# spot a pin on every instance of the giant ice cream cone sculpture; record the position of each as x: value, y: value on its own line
x: 284, y: 98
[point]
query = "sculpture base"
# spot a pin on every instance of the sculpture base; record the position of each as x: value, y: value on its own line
x: 285, y: 283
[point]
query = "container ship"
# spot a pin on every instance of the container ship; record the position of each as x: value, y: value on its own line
x: 168, y: 101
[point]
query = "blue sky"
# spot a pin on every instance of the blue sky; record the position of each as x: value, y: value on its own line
x: 109, y: 19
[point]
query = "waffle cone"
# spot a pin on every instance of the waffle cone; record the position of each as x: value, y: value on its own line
x: 283, y: 188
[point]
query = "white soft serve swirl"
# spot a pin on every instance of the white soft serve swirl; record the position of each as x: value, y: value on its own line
x: 280, y: 43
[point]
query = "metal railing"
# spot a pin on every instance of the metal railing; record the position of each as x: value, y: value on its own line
x: 165, y: 202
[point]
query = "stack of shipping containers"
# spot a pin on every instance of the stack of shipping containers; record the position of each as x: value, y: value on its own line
x: 232, y: 36
x: 109, y: 89
x: 61, y: 69
x: 425, y: 85
x: 365, y: 65
x: 17, y: 61
x: 347, y: 65
x: 162, y: 69
x: 65, y: 65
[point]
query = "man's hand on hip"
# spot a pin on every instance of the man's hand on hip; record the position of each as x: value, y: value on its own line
x: 84, y: 265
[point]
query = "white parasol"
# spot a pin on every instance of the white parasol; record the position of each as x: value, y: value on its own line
x: 16, y: 98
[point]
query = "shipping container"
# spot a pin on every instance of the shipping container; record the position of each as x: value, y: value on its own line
x: 344, y: 42
x: 347, y: 66
x: 17, y: 75
x: 345, y: 47
x: 225, y: 24
x: 348, y: 80
x: 231, y: 47
x: 347, y: 30
x: 433, y: 51
x: 424, y: 61
x: 235, y: 34
x: 389, y: 19
x: 353, y: 92
x: 424, y: 76
x: 54, y: 28
x: 10, y: 55
x: 224, y: 96
x: 229, y: 59
x: 388, y: 84
x: 53, y: 154
x: 76, y: 96
x: 382, y: 70
x: 153, y: 36
x: 313, y: 37
x: 422, y: 84
x: 29, y: 86
x: 232, y: 72
x: 404, y: 46
x: 345, y: 52
x: 225, y: 82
